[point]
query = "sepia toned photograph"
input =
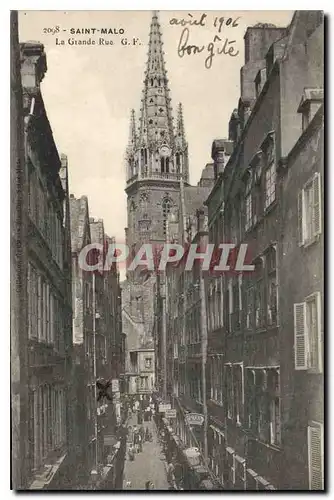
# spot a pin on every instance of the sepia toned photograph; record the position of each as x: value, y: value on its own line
x: 167, y: 250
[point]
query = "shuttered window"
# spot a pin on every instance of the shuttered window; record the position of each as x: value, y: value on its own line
x: 300, y: 218
x: 309, y: 211
x: 307, y: 333
x: 300, y: 336
x: 317, y: 204
x: 315, y: 456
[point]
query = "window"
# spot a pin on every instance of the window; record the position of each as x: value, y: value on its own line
x: 250, y: 308
x: 176, y: 348
x: 251, y: 399
x: 178, y: 161
x: 229, y: 390
x: 47, y: 429
x: 217, y: 378
x: 226, y: 309
x: 148, y: 363
x: 259, y: 293
x: 271, y: 287
x: 166, y: 208
x: 218, y: 304
x: 230, y: 304
x: 31, y: 429
x: 315, y: 456
x: 262, y: 428
x: 32, y: 301
x: 236, y: 305
x: 275, y: 411
x: 238, y: 391
x: 248, y: 223
x: 144, y: 383
x: 309, y: 211
x: 249, y: 203
x: 307, y: 331
x: 262, y: 404
x: 270, y: 185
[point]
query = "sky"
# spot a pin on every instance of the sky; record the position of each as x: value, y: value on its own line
x: 89, y: 91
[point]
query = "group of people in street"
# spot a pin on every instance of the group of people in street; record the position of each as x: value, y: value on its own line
x: 142, y: 408
x: 136, y: 438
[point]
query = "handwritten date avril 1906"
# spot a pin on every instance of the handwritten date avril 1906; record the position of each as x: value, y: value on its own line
x: 219, y: 45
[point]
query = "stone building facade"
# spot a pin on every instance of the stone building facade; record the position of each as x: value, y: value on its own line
x: 97, y: 343
x: 301, y: 188
x: 48, y: 334
x: 83, y: 380
x: 265, y: 400
x: 18, y: 270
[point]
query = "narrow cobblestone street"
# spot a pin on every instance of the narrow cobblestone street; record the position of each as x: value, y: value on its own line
x: 149, y: 465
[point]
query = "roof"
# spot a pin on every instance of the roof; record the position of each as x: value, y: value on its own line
x: 194, y: 198
x: 208, y: 176
x: 79, y: 218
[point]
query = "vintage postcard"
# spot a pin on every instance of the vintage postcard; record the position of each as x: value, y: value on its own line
x: 167, y: 250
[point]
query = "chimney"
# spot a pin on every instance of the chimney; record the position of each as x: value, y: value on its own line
x: 201, y: 220
x: 220, y: 152
x: 64, y: 161
x: 33, y: 66
x: 258, y: 40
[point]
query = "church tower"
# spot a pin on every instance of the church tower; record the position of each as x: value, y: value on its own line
x: 157, y: 153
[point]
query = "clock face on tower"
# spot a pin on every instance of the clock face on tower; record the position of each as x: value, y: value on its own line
x: 164, y: 151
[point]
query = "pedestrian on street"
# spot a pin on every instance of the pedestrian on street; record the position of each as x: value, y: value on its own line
x: 131, y: 453
x: 170, y: 473
x: 136, y: 440
x: 140, y: 443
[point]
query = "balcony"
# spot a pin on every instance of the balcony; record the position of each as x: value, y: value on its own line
x: 171, y: 176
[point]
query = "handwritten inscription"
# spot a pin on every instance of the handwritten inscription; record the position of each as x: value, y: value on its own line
x: 219, y: 45
x: 191, y: 21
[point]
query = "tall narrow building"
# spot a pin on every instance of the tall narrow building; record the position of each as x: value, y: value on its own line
x: 156, y: 158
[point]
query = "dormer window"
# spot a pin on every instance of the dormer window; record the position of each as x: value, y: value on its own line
x: 311, y: 101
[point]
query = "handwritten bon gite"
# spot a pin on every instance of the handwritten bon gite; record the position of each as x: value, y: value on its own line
x: 219, y: 46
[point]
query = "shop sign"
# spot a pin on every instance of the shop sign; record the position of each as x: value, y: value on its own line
x: 164, y: 407
x: 170, y: 414
x: 194, y: 419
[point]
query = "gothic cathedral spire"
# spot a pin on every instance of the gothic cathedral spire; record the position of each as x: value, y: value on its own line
x: 156, y: 123
x: 156, y: 152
